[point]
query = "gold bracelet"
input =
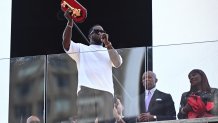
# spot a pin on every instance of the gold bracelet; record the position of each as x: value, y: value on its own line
x: 107, y: 45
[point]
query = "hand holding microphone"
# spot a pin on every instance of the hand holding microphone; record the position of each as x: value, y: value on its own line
x: 104, y: 39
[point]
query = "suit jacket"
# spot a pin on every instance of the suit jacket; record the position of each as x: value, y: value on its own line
x: 161, y: 105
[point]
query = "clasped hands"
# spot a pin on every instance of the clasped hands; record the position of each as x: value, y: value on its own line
x: 145, y: 117
x: 118, y: 109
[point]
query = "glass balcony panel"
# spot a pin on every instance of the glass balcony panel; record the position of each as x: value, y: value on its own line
x: 62, y: 85
x: 173, y: 63
x: 61, y: 94
x: 27, y: 80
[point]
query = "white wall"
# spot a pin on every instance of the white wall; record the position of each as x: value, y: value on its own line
x: 5, y: 30
x: 179, y: 21
x: 184, y: 21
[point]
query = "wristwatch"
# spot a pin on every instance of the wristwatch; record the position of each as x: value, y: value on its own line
x: 155, y: 117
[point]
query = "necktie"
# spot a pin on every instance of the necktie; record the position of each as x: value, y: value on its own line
x: 148, y: 99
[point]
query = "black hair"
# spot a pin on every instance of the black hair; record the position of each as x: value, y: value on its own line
x: 205, y: 86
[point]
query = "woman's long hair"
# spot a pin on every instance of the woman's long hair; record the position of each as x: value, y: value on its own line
x: 205, y: 86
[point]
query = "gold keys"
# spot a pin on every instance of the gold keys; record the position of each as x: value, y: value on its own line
x: 75, y: 12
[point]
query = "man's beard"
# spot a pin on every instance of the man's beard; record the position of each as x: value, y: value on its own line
x: 96, y: 41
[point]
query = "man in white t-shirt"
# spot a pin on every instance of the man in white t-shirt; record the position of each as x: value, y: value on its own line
x: 94, y: 63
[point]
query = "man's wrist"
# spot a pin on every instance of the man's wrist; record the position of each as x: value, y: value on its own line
x: 70, y: 24
x: 108, y: 44
x: 119, y: 118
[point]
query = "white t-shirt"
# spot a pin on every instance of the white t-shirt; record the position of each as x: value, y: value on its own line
x: 94, y: 66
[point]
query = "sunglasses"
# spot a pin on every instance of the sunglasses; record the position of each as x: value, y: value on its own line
x: 97, y: 31
x: 34, y: 122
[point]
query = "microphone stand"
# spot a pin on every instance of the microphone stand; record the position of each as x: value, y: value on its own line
x: 81, y: 32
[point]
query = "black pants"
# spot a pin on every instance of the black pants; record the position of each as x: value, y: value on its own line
x: 92, y: 104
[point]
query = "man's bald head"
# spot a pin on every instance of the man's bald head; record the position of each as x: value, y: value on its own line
x: 33, y: 119
x: 149, y: 80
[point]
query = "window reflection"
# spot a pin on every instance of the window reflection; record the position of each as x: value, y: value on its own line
x: 26, y: 88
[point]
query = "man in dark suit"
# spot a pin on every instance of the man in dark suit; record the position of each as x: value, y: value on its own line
x: 154, y: 104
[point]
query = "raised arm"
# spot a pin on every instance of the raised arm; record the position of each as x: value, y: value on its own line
x: 114, y: 56
x: 67, y: 34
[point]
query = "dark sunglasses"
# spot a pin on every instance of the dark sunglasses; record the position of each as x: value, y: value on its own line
x: 96, y: 31
x: 34, y: 122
